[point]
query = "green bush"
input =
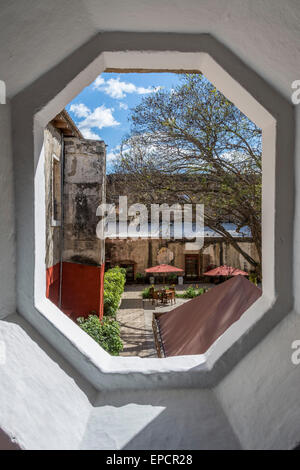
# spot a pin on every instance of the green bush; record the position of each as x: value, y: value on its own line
x: 105, y: 332
x: 191, y: 293
x: 140, y: 278
x: 253, y: 277
x: 114, y: 282
x: 146, y: 293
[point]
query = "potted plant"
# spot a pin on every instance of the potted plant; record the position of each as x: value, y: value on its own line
x: 140, y: 278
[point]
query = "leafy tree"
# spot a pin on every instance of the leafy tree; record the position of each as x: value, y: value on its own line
x: 193, y: 145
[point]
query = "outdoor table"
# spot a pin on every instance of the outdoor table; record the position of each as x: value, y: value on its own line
x: 168, y: 294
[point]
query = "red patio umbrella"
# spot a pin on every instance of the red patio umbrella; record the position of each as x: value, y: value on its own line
x: 163, y: 269
x: 225, y: 271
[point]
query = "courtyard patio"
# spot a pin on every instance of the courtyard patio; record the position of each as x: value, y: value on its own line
x: 135, y: 318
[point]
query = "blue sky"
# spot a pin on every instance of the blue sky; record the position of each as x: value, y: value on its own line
x: 102, y: 109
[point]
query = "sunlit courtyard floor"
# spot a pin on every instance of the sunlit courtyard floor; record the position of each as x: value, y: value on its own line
x: 135, y: 318
x: 136, y: 328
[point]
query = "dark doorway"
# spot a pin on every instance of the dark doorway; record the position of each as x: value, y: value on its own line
x: 129, y: 271
x: 191, y: 267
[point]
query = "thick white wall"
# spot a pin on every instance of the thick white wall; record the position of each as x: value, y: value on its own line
x: 254, y: 97
x: 259, y: 396
x: 159, y: 419
x: 263, y: 33
x: 296, y: 264
x: 44, y: 403
x: 7, y: 229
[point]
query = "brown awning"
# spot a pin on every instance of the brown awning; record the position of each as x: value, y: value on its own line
x: 194, y: 326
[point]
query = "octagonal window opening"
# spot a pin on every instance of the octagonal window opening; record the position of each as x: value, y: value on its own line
x: 75, y: 258
x: 117, y: 61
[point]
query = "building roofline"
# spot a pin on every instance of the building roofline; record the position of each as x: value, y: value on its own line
x: 66, y: 125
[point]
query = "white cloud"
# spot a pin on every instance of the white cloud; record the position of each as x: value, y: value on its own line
x: 89, y: 134
x: 110, y: 157
x: 123, y: 105
x: 99, y: 81
x: 80, y: 110
x: 115, y: 88
x: 112, y: 154
x: 97, y: 119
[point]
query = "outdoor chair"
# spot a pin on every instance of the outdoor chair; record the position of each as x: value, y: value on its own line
x: 160, y: 294
x: 171, y: 296
x: 154, y: 296
x: 168, y: 295
x: 172, y: 289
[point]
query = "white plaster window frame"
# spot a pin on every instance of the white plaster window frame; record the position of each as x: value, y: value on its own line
x: 262, y: 104
x: 54, y: 222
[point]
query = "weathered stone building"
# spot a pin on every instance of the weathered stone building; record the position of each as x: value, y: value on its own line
x: 75, y: 179
x: 136, y: 255
x: 140, y: 253
x: 75, y: 186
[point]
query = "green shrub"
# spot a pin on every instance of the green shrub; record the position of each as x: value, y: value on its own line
x: 172, y: 277
x: 191, y: 293
x: 140, y: 278
x: 114, y: 282
x: 253, y: 277
x: 146, y: 293
x: 105, y: 332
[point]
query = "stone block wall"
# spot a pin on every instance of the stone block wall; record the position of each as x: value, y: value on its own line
x: 74, y: 254
x: 52, y: 147
x: 84, y: 190
x: 144, y: 253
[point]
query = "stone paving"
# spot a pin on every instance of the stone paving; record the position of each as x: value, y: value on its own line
x: 136, y: 326
x: 135, y: 318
